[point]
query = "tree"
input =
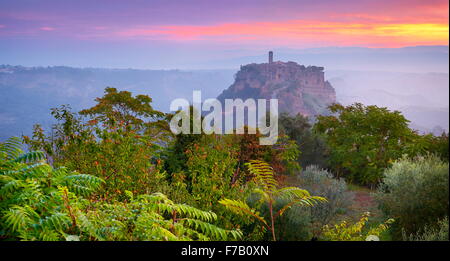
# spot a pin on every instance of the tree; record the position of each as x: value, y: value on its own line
x: 312, y: 146
x: 363, y: 140
x: 121, y: 108
x: 175, y: 156
x: 428, y: 144
x: 282, y: 155
x: 269, y: 192
x: 119, y: 139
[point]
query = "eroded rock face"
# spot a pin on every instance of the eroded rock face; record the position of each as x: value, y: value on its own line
x: 299, y: 89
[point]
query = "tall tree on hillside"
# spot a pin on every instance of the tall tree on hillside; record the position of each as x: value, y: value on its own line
x: 119, y: 139
x: 363, y: 140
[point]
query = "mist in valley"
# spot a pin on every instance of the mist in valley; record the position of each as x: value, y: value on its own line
x: 412, y: 80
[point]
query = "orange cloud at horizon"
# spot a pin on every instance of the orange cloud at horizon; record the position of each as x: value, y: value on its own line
x: 379, y: 33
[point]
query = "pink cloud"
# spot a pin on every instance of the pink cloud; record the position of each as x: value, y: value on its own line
x: 47, y: 28
x: 381, y: 32
x: 328, y: 22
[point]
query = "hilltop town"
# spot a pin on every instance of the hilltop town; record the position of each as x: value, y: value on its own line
x: 298, y: 88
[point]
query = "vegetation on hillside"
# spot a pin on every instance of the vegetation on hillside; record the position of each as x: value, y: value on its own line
x: 115, y: 172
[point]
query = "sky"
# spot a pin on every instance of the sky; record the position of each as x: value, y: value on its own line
x: 167, y: 33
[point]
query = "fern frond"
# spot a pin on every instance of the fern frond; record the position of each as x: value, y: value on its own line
x: 236, y: 234
x: 161, y: 232
x: 59, y: 174
x: 263, y: 173
x: 295, y: 196
x: 19, y: 218
x: 37, y: 170
x: 264, y: 196
x: 30, y: 157
x: 192, y: 212
x: 88, y: 227
x: 156, y: 197
x: 58, y: 221
x: 206, y: 228
x: 291, y: 193
x: 187, y: 233
x: 11, y: 186
x: 31, y: 193
x: 82, y: 184
x: 11, y: 147
x: 241, y: 208
x: 48, y: 235
x: 306, y: 201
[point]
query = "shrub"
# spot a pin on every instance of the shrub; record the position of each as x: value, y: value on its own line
x: 415, y: 193
x: 355, y: 232
x: 39, y: 202
x: 293, y: 225
x: 150, y: 217
x: 36, y: 199
x: 277, y: 200
x: 439, y: 233
x: 322, y: 183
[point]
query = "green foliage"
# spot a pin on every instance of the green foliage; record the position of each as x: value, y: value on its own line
x: 151, y: 217
x: 10, y: 149
x: 241, y: 208
x: 437, y: 233
x: 363, y: 140
x: 428, y: 143
x: 312, y: 146
x: 175, y: 156
x: 300, y: 222
x: 126, y: 145
x: 236, y: 149
x: 355, y: 232
x: 282, y: 156
x: 210, y: 168
x: 119, y: 142
x: 34, y: 195
x: 322, y: 183
x: 195, y: 166
x: 268, y: 191
x: 39, y: 202
x: 415, y: 193
x: 122, y: 109
x: 206, y: 168
x: 211, y: 173
x: 293, y: 225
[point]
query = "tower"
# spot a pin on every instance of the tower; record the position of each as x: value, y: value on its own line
x: 270, y: 57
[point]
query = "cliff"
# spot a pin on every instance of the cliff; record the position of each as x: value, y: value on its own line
x: 299, y: 89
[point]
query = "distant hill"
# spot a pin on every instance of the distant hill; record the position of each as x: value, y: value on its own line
x: 415, y: 59
x: 28, y: 93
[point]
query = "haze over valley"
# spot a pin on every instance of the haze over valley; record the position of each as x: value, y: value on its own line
x: 28, y: 93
